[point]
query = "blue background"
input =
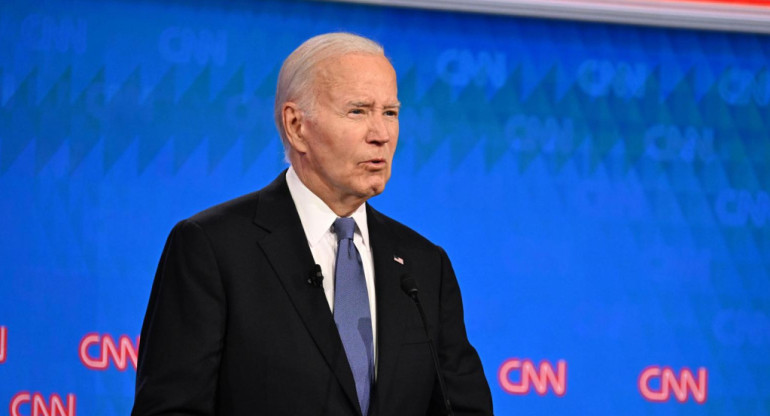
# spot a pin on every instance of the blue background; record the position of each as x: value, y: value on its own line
x: 603, y: 191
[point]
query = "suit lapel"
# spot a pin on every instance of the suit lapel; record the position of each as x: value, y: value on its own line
x: 391, y: 313
x: 287, y: 250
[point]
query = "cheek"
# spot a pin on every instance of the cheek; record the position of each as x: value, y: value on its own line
x: 394, y: 138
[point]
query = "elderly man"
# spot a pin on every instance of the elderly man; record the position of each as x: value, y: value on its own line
x: 289, y: 300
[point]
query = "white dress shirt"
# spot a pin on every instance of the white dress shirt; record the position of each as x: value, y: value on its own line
x: 317, y: 220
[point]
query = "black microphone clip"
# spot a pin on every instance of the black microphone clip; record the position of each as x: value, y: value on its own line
x: 316, y: 277
x: 409, y: 286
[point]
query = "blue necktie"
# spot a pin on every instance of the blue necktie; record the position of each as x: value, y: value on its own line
x: 351, y: 310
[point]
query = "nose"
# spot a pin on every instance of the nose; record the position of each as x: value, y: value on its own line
x: 378, y: 130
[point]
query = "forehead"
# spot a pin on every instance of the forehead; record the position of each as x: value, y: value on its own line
x: 358, y: 74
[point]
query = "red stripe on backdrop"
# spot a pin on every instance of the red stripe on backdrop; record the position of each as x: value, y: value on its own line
x: 760, y: 3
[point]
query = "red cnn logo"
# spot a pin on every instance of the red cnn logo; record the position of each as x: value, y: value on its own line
x: 120, y: 353
x: 541, y: 378
x: 3, y: 343
x: 39, y: 407
x: 681, y: 386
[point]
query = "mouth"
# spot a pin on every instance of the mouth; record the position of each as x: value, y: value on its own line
x: 376, y: 163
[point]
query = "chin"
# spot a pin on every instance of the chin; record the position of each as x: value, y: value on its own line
x: 375, y: 189
x: 374, y: 185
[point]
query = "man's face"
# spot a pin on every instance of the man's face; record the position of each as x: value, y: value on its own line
x: 352, y: 132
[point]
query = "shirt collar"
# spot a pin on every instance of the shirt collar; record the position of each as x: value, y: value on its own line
x: 316, y: 217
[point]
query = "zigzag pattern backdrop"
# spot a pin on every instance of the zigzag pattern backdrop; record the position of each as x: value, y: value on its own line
x: 617, y: 175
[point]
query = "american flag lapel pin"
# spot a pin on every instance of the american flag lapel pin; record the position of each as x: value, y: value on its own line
x: 398, y: 260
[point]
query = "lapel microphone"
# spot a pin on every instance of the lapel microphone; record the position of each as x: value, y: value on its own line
x: 409, y: 286
x: 315, y: 278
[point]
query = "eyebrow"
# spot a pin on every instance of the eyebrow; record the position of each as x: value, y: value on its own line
x: 369, y: 104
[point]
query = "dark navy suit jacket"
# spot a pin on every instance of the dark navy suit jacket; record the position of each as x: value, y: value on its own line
x: 234, y: 328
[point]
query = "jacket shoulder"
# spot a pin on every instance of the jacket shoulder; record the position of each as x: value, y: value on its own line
x: 401, y: 232
x: 237, y: 209
x: 242, y: 209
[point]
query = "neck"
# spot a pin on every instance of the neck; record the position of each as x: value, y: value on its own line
x: 343, y: 206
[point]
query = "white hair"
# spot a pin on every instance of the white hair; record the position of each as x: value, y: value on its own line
x: 298, y: 72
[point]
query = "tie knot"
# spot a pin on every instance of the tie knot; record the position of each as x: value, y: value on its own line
x: 344, y: 228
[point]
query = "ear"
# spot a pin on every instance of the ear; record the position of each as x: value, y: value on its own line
x: 293, y: 120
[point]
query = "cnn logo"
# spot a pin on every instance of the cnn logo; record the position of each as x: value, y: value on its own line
x: 120, y: 353
x: 668, y: 383
x: 541, y: 377
x: 34, y: 404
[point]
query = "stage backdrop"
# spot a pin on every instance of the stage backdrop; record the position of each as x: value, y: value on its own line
x: 603, y: 191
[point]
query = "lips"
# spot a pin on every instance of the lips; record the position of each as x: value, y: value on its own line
x: 375, y: 163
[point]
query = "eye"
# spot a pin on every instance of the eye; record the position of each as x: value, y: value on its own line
x: 391, y: 113
x: 357, y: 111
